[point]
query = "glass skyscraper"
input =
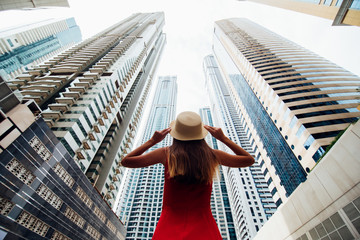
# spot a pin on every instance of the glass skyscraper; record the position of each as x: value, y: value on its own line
x: 92, y: 95
x: 23, y: 47
x: 43, y: 192
x: 249, y: 196
x: 140, y: 201
x: 294, y: 102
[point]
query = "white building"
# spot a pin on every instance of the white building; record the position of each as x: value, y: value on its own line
x: 92, y: 95
x: 250, y: 200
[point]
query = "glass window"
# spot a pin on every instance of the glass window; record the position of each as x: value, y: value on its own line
x: 308, y: 142
x: 10, y: 42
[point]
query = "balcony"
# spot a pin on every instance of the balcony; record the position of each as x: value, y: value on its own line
x: 34, y: 92
x: 25, y: 76
x: 65, y: 100
x: 37, y: 99
x: 59, y: 107
x: 47, y: 88
x: 82, y: 84
x: 77, y: 89
x: 65, y: 69
x: 53, y: 78
x: 46, y: 82
x: 51, y: 114
x: 74, y: 95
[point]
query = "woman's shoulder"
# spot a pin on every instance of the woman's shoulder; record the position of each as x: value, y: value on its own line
x: 163, y: 154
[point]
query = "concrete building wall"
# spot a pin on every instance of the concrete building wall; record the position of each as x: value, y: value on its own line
x: 327, y: 204
x: 344, y: 12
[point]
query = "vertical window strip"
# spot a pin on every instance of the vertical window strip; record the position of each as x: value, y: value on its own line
x: 74, y: 217
x: 16, y: 168
x: 32, y: 223
x: 61, y: 172
x: 40, y: 148
x: 83, y: 196
x: 49, y: 196
x: 92, y: 232
x: 99, y: 214
x: 5, y: 206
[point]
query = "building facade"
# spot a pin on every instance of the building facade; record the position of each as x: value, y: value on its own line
x: 250, y: 199
x: 294, y: 102
x: 92, y: 95
x: 23, y: 47
x: 43, y: 192
x: 324, y: 207
x: 342, y: 12
x: 19, y: 4
x: 140, y: 202
x: 220, y: 204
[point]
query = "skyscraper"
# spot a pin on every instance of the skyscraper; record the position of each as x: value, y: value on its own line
x: 92, y: 94
x: 141, y: 200
x: 294, y: 102
x: 43, y: 193
x: 220, y: 205
x: 22, y: 47
x: 18, y: 4
x: 343, y: 12
x: 249, y: 196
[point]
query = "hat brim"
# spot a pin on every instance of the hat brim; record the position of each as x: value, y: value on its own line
x: 175, y: 134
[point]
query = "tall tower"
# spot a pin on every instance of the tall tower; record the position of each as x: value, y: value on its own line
x: 43, y: 193
x: 28, y: 45
x: 250, y: 199
x: 141, y: 199
x: 18, y: 4
x: 220, y: 205
x: 344, y: 12
x: 294, y: 102
x: 92, y: 95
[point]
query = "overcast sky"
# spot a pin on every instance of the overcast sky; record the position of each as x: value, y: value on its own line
x: 189, y: 28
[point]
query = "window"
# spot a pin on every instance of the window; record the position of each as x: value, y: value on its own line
x: 10, y: 43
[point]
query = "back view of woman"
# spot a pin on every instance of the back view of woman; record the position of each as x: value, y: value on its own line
x: 189, y: 168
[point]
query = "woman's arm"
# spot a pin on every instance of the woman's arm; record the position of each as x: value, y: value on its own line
x: 242, y: 157
x: 136, y: 159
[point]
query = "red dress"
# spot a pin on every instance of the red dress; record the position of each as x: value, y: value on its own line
x: 186, y: 213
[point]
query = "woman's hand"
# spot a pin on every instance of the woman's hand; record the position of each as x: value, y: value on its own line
x: 215, y: 132
x: 160, y: 135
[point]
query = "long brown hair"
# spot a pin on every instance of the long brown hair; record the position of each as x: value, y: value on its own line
x: 192, y: 161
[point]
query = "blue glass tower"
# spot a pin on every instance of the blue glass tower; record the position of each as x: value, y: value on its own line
x: 293, y: 101
x: 249, y: 195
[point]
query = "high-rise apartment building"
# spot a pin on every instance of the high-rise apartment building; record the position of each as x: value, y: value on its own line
x: 18, y: 4
x: 342, y: 12
x: 43, y: 192
x: 140, y: 202
x: 92, y: 94
x: 250, y: 199
x: 22, y: 47
x: 220, y: 204
x: 294, y: 102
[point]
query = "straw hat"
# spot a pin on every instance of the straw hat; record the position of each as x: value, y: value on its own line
x: 188, y: 126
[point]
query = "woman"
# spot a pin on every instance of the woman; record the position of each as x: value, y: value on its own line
x: 189, y: 168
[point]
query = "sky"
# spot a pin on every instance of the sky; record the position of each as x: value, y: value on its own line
x: 189, y: 28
